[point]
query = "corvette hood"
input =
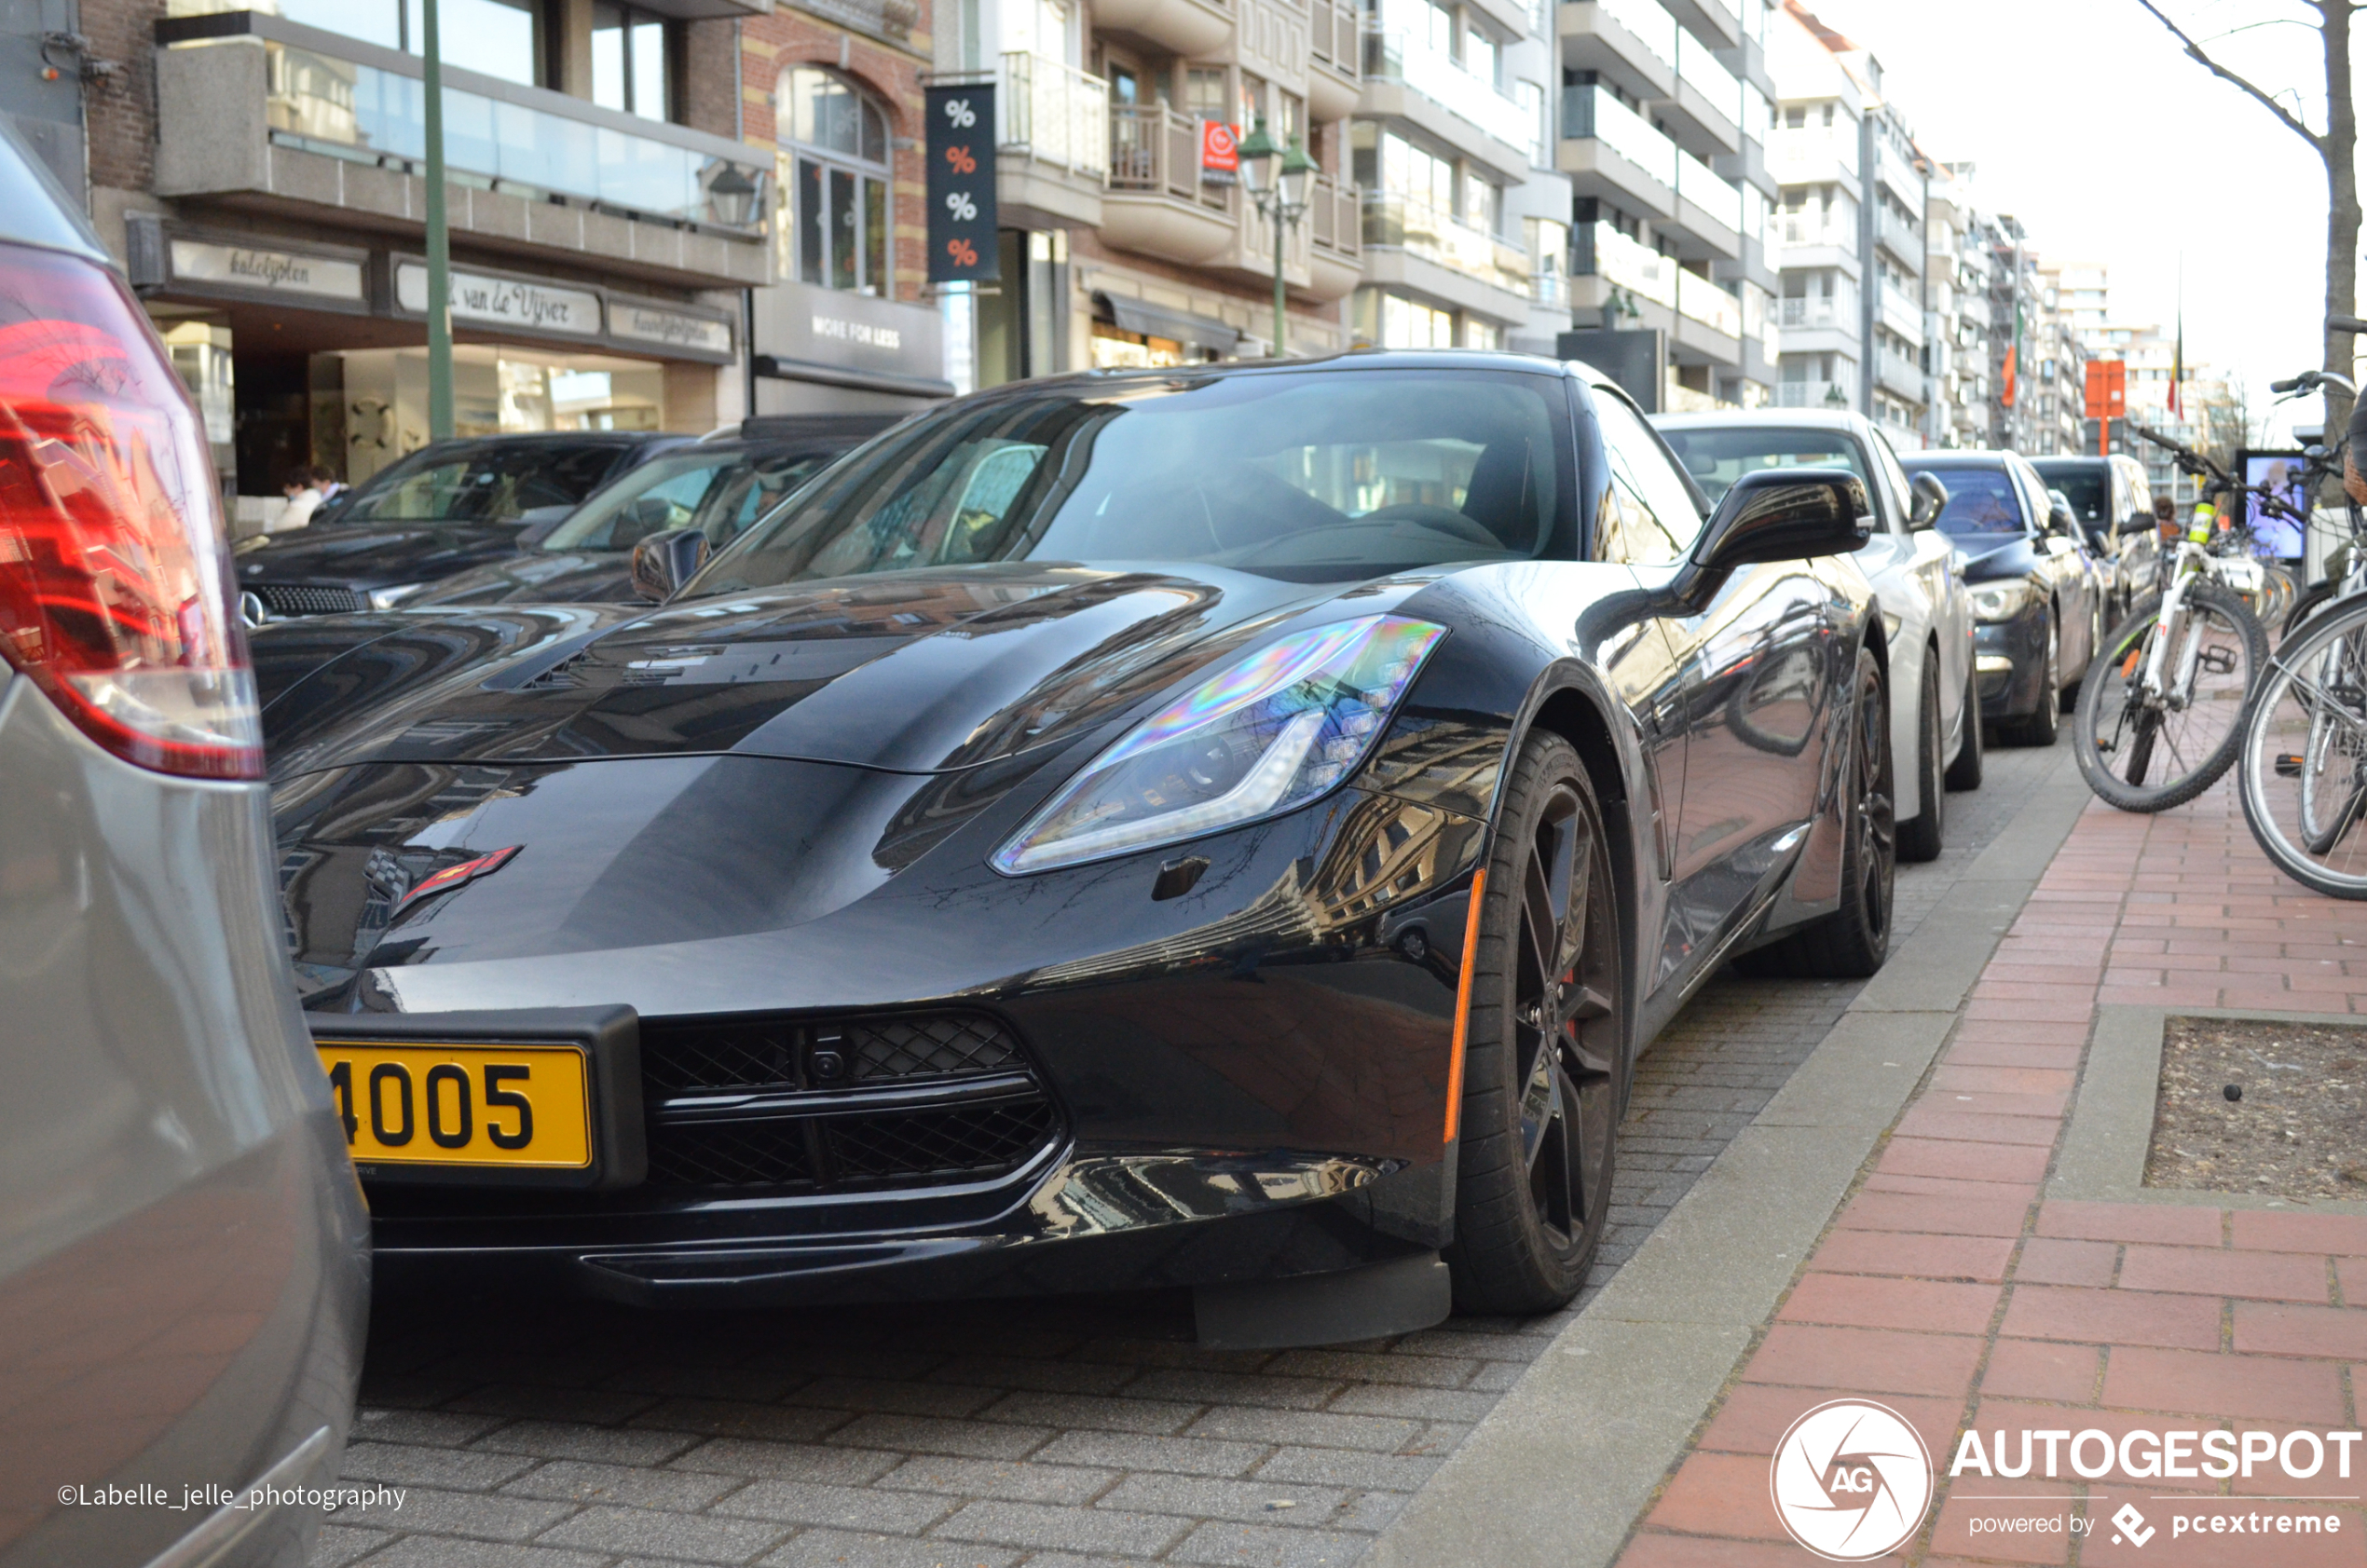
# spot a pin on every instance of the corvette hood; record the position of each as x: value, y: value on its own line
x: 376, y: 555
x: 911, y: 672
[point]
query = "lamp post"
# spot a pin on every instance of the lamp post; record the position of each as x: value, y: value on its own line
x: 1281, y: 197
x: 439, y: 235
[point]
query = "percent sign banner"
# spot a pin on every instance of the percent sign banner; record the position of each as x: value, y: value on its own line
x: 961, y: 152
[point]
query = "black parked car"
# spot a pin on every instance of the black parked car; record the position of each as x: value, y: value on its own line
x: 1220, y: 827
x: 2038, y: 594
x: 431, y: 515
x: 2113, y: 503
x: 716, y: 486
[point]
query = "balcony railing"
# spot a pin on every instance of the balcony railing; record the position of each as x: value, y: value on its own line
x: 1708, y: 303
x: 1331, y: 217
x: 1806, y: 313
x: 1153, y: 148
x: 1818, y: 229
x: 1594, y: 113
x: 1812, y: 151
x: 1599, y: 251
x: 352, y: 100
x: 1896, y: 370
x: 1054, y: 113
x: 1333, y: 31
x: 1900, y: 236
x: 1402, y: 223
x: 1812, y: 394
x: 1392, y: 55
x: 1698, y: 183
x: 1697, y: 65
x: 1651, y: 25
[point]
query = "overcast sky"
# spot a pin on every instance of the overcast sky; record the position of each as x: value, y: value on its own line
x: 2090, y: 124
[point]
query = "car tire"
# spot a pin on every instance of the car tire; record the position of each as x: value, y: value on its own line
x: 1545, y: 1049
x: 1920, y: 836
x: 1966, y: 772
x: 2040, y: 727
x: 1852, y: 942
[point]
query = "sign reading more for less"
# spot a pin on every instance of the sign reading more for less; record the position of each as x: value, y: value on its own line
x: 960, y: 185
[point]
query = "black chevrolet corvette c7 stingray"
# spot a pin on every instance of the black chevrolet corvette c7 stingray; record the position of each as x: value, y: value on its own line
x: 1230, y: 827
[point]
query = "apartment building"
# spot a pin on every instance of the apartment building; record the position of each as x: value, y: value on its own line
x: 1851, y: 223
x: 258, y: 167
x: 1665, y: 111
x: 1956, y: 319
x: 1117, y: 246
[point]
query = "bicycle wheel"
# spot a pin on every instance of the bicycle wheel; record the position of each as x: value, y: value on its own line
x: 2304, y: 779
x: 2145, y: 750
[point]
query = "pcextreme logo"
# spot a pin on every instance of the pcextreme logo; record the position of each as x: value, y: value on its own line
x: 1851, y: 1480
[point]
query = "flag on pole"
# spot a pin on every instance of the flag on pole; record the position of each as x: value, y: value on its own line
x: 2012, y: 351
x: 2178, y: 366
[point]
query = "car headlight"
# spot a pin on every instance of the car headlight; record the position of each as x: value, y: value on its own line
x: 2001, y: 601
x: 387, y: 598
x: 1268, y: 733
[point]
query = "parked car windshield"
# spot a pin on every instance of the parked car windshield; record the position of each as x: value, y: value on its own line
x: 717, y: 493
x: 490, y: 483
x: 1980, y: 501
x: 1312, y: 476
x: 2084, y: 486
x: 1717, y: 458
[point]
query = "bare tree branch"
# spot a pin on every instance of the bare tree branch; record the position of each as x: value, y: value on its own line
x: 2290, y: 120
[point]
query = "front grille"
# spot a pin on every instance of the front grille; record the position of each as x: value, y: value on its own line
x: 821, y: 1105
x: 296, y: 598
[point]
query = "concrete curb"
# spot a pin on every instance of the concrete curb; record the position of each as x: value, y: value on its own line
x: 1557, y: 1473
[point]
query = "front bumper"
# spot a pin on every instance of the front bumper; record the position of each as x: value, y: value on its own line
x: 2010, y: 661
x: 1245, y: 1081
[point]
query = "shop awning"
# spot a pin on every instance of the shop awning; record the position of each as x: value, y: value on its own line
x: 1156, y: 320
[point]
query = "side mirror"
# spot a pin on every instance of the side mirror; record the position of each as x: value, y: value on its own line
x: 1929, y: 501
x: 2058, y: 515
x: 1778, y: 515
x: 663, y: 563
x: 2136, y: 523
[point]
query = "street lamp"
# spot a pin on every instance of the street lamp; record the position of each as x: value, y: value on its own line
x: 1834, y: 396
x: 1282, y: 198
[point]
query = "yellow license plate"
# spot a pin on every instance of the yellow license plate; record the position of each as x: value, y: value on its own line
x: 462, y: 1104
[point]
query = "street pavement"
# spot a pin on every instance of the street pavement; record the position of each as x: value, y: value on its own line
x: 539, y: 1434
x: 1999, y: 1266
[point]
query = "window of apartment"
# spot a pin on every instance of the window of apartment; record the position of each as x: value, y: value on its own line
x: 1482, y: 335
x: 632, y: 55
x: 1795, y: 117
x: 1417, y: 175
x: 501, y: 38
x: 1204, y: 92
x: 836, y: 137
x: 1482, y: 204
x: 1483, y: 55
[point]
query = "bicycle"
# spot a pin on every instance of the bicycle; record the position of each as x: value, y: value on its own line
x: 2304, y: 779
x: 2160, y: 710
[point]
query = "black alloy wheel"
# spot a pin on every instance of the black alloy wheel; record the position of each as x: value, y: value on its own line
x: 2038, y: 729
x: 1970, y: 764
x: 1920, y: 836
x: 1852, y: 942
x: 1545, y: 1046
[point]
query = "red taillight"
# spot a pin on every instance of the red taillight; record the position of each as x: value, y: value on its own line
x: 115, y: 594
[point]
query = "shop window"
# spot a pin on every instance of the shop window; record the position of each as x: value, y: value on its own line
x: 632, y: 61
x: 836, y: 138
x: 1117, y: 348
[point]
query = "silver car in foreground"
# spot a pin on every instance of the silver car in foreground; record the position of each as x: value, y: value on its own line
x: 1935, y: 735
x: 183, y: 1265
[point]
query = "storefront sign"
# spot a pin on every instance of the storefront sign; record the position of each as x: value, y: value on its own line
x: 636, y: 321
x: 518, y: 303
x: 800, y: 328
x: 265, y: 271
x: 960, y: 185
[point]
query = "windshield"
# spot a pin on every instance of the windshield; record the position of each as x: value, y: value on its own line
x: 490, y: 484
x: 1315, y: 476
x: 1979, y: 500
x: 717, y: 493
x: 2085, y: 488
x: 1717, y: 458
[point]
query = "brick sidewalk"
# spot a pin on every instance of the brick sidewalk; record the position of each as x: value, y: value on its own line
x: 1950, y: 1290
